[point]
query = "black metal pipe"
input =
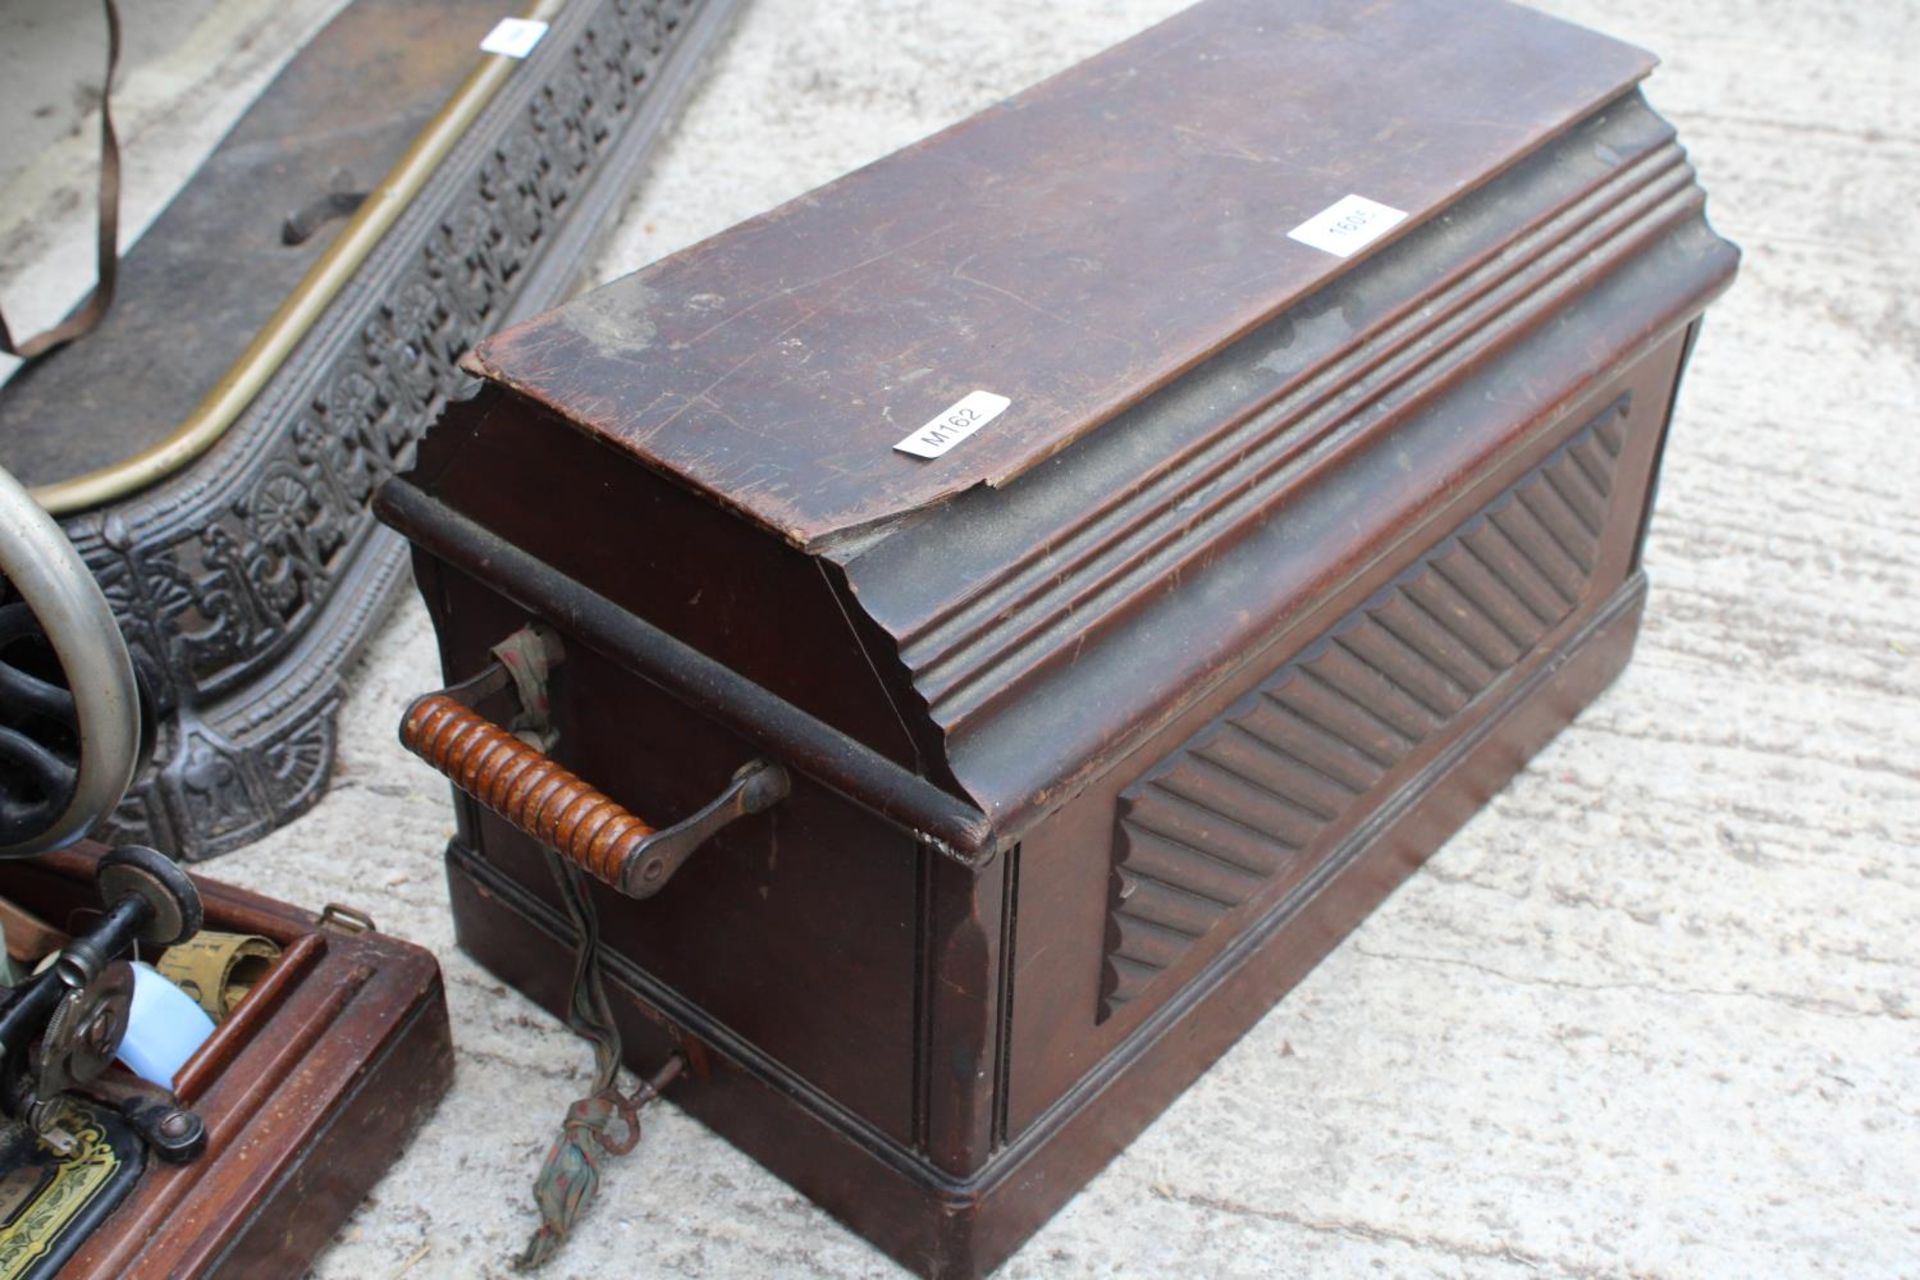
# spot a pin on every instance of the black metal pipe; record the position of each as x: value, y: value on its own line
x: 82, y: 959
x: 800, y: 741
x: 25, y: 1016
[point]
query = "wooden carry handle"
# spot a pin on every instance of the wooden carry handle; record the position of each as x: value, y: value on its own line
x: 562, y: 811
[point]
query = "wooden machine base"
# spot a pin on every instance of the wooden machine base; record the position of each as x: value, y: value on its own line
x: 940, y: 1226
x: 309, y: 1090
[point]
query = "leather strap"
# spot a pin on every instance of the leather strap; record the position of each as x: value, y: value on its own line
x: 569, y: 1177
x: 89, y: 313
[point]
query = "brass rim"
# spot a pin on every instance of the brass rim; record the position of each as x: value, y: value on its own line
x: 236, y: 389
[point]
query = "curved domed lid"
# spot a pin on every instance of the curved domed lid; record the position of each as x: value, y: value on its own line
x: 1063, y: 254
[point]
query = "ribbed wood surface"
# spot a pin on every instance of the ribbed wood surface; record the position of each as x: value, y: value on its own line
x: 548, y: 802
x: 1245, y: 802
x: 1050, y: 602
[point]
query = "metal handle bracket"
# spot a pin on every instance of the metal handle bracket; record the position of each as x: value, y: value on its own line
x: 756, y: 786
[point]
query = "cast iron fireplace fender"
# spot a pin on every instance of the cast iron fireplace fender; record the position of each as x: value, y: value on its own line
x: 371, y: 218
x: 800, y: 741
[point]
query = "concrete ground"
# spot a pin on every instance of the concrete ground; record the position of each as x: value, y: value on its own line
x: 1655, y: 1012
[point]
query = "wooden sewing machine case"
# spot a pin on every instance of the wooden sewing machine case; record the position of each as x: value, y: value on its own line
x: 309, y: 1090
x: 1107, y: 723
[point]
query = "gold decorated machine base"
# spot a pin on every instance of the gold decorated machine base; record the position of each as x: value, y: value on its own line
x: 49, y: 1202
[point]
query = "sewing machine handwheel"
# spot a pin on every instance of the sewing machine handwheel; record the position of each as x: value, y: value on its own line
x: 136, y: 871
x: 69, y: 739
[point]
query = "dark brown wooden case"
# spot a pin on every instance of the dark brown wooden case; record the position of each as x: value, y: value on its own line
x: 309, y: 1090
x: 1106, y: 725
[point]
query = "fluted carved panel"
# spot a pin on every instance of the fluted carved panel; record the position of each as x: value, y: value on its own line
x: 1241, y: 809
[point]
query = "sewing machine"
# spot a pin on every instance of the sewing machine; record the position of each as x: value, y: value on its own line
x: 194, y: 1080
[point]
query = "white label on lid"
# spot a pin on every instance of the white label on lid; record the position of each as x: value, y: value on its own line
x: 962, y: 418
x: 1347, y: 226
x: 513, y: 37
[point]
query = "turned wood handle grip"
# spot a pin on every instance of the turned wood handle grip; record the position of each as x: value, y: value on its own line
x: 542, y: 799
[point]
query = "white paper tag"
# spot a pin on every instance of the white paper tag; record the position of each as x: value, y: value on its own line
x: 514, y: 37
x: 1347, y: 226
x: 962, y: 418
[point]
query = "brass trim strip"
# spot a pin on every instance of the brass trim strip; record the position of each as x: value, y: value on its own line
x: 222, y: 406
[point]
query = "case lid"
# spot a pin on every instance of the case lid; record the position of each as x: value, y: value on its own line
x: 1070, y: 250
